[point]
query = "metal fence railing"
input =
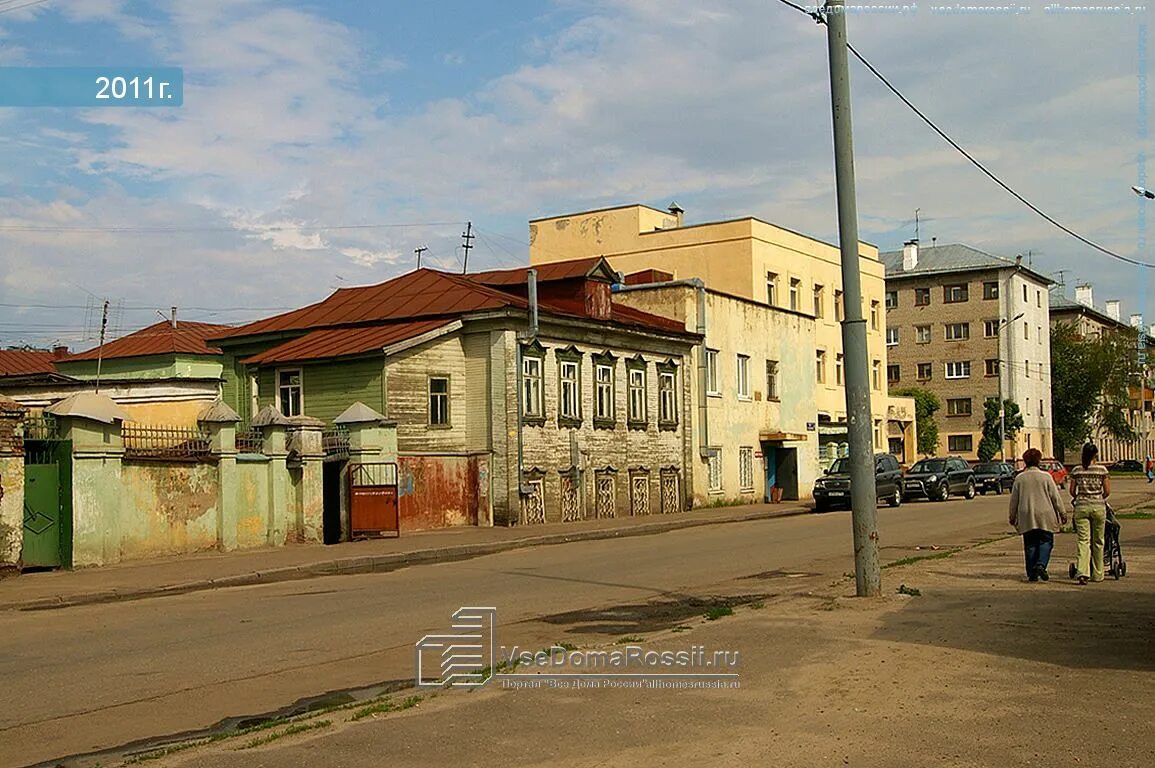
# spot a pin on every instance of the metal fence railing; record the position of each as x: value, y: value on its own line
x: 249, y: 440
x: 335, y: 442
x: 147, y: 441
x: 41, y: 427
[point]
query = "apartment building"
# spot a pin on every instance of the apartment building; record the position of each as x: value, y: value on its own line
x: 967, y: 325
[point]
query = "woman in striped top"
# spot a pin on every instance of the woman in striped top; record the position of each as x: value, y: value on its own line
x: 1090, y: 486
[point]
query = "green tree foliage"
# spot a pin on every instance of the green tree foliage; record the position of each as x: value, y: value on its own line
x: 1091, y: 382
x: 926, y: 404
x: 994, y: 428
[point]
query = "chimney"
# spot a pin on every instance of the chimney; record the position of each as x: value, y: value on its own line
x: 909, y: 255
x: 59, y: 353
x: 1084, y: 294
x: 1113, y: 309
x: 677, y: 211
x: 1136, y: 321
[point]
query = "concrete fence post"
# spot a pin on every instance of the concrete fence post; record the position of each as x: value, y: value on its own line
x: 307, y: 456
x: 11, y: 482
x: 274, y: 445
x: 220, y: 421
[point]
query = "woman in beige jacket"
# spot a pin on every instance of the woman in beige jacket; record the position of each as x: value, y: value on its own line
x: 1037, y: 511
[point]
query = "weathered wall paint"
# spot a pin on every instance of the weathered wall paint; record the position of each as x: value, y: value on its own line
x: 11, y: 507
x: 253, y: 513
x: 438, y: 492
x: 167, y: 509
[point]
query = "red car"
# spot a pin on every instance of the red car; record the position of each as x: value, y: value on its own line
x: 1056, y: 469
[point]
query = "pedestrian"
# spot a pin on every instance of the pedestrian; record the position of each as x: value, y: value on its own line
x: 1037, y: 511
x: 1149, y: 469
x: 1090, y: 487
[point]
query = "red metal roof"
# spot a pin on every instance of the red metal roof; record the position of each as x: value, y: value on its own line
x: 22, y: 362
x: 418, y: 294
x: 339, y: 342
x: 159, y: 339
x: 546, y: 273
x: 619, y: 313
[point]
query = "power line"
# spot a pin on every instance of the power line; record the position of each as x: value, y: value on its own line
x: 818, y: 17
x: 125, y: 229
x: 150, y: 309
x: 29, y: 4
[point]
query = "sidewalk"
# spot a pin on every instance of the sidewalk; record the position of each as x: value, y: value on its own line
x: 212, y: 570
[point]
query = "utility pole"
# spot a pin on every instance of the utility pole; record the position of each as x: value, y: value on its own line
x: 420, y: 251
x: 867, y: 576
x: 466, y: 243
x: 999, y: 362
x: 100, y: 349
x: 916, y: 210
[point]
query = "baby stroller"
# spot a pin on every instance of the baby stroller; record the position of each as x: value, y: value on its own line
x: 1113, y: 562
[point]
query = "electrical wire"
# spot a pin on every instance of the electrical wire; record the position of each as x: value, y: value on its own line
x: 29, y: 4
x: 820, y: 19
x: 255, y: 231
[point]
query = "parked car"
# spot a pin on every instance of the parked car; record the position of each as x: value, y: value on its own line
x: 833, y: 489
x: 997, y: 476
x: 1126, y: 465
x: 938, y: 478
x: 1056, y: 468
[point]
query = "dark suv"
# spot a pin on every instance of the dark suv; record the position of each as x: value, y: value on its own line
x: 833, y: 489
x: 937, y: 479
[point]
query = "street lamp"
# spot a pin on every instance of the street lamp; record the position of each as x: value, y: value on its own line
x: 1002, y: 402
x: 1142, y: 192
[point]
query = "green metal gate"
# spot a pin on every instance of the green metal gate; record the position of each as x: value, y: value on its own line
x: 47, y: 497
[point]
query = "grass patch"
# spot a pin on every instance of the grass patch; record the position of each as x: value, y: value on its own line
x: 718, y: 611
x: 916, y: 558
x: 292, y: 730
x: 905, y: 590
x: 165, y: 752
x: 1135, y: 515
x: 682, y: 628
x: 628, y: 639
x: 758, y: 605
x: 383, y: 707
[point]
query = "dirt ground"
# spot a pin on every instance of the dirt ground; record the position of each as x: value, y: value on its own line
x: 980, y: 668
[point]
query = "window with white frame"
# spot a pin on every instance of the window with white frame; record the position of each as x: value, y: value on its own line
x: 290, y: 392
x: 604, y: 392
x: 874, y: 316
x: 839, y: 307
x: 958, y: 331
x: 568, y: 390
x: 839, y: 372
x: 878, y: 434
x: 795, y: 287
x: 667, y: 400
x: 439, y: 401
x: 876, y: 375
x: 958, y: 370
x: 819, y: 301
x: 922, y: 334
x: 743, y: 376
x: 637, y: 392
x: 820, y: 366
x: 714, y: 470
x: 892, y: 337
x: 531, y: 387
x: 772, y: 288
x: 891, y: 299
x: 771, y: 379
x: 990, y: 328
x: 712, y: 384
x: 746, y: 468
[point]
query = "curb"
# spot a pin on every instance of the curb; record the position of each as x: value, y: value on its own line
x: 393, y: 561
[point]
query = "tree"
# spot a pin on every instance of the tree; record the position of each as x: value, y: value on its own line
x: 1091, y: 384
x: 994, y: 428
x: 926, y: 403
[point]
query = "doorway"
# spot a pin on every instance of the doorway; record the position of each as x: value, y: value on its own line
x: 781, y: 470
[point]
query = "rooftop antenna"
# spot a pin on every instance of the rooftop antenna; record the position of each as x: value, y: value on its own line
x: 420, y: 251
x: 466, y: 243
x: 1059, y: 277
x: 916, y: 210
x: 100, y: 349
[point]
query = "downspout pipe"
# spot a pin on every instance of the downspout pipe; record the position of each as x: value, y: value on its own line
x: 696, y: 283
x: 531, y: 334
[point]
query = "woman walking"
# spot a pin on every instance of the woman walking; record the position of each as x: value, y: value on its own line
x: 1037, y: 511
x: 1090, y: 487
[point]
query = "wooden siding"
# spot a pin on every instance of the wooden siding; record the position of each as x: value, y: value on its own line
x: 328, y: 388
x: 407, y: 382
x: 476, y: 348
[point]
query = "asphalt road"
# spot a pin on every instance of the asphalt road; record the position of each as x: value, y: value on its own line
x: 91, y: 678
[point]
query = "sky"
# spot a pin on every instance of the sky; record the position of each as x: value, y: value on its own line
x: 320, y: 143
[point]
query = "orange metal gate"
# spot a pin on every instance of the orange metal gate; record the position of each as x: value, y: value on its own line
x: 373, y: 500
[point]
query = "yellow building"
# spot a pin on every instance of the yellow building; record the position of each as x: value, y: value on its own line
x: 760, y: 262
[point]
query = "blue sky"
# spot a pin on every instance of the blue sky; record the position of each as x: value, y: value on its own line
x: 321, y: 142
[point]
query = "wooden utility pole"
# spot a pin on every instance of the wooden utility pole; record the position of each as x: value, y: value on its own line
x: 100, y: 349
x: 419, y: 251
x: 467, y: 243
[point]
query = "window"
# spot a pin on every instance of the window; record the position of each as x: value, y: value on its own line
x: 1024, y: 293
x: 991, y: 328
x: 771, y: 379
x: 838, y: 371
x: 771, y: 288
x: 1027, y: 367
x: 604, y: 392
x: 992, y: 367
x: 744, y: 376
x: 568, y: 391
x: 1027, y: 405
x: 893, y: 373
x: 922, y: 334
x: 667, y: 400
x: 819, y: 301
x: 289, y: 392
x: 955, y: 294
x: 876, y: 375
x: 820, y: 367
x: 714, y: 469
x: 637, y: 394
x: 921, y: 297
x: 439, y: 401
x: 959, y: 370
x: 925, y: 371
x: 874, y: 315
x: 991, y: 289
x: 1039, y: 299
x: 794, y: 287
x: 839, y: 307
x: 1040, y: 409
x: 1040, y: 370
x: 960, y: 443
x: 746, y: 468
x: 712, y: 372
x: 878, y: 434
x: 1026, y: 331
x: 254, y: 394
x: 891, y: 299
x: 892, y: 337
x: 958, y: 406
x: 958, y: 331
x: 531, y: 387
x: 1039, y: 333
